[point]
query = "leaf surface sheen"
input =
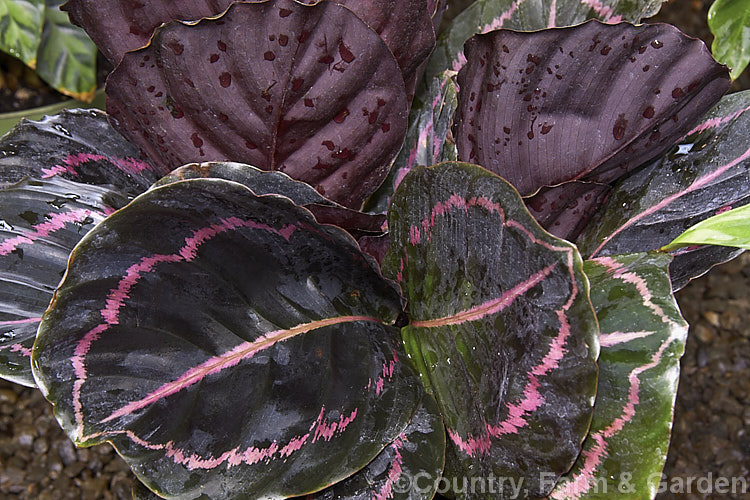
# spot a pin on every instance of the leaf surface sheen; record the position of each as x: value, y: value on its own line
x: 58, y: 177
x: 265, y: 368
x: 706, y: 173
x: 642, y: 339
x: 21, y: 24
x: 501, y: 327
x: 307, y: 90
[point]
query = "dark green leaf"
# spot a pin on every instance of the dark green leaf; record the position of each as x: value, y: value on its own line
x: 21, y: 28
x: 501, y: 326
x: 226, y: 344
x: 642, y: 339
x: 707, y: 173
x: 407, y: 469
x: 54, y: 185
x: 729, y: 21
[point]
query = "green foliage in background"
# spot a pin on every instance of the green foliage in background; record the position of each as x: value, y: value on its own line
x: 729, y: 229
x: 729, y: 21
x: 38, y: 33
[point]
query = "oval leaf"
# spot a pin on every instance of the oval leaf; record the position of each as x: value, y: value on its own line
x: 21, y: 24
x: 642, y: 339
x: 501, y: 326
x: 307, y: 90
x: 584, y: 103
x: 55, y: 186
x: 483, y: 16
x: 729, y: 21
x: 705, y: 174
x: 261, y: 182
x: 226, y: 344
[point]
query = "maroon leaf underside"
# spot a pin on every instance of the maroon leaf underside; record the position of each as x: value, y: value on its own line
x: 586, y: 103
x: 566, y: 209
x: 307, y: 90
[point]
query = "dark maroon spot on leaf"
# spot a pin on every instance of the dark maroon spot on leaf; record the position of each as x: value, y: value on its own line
x: 326, y: 59
x: 302, y: 38
x: 605, y: 50
x: 530, y: 134
x: 309, y: 102
x: 506, y: 130
x: 197, y: 141
x: 297, y: 83
x: 269, y: 56
x: 329, y: 145
x: 176, y: 47
x: 648, y: 112
x: 657, y: 44
x: 250, y: 145
x: 385, y: 127
x: 339, y: 118
x: 646, y: 67
x: 546, y: 128
x: 271, y: 38
x: 221, y: 45
x: 214, y: 58
x: 225, y: 79
x: 642, y: 49
x: 505, y: 49
x: 693, y: 85
x: 345, y: 53
x: 151, y: 88
x: 284, y: 12
x: 381, y: 102
x: 677, y: 92
x: 618, y: 131
x: 343, y: 154
x: 283, y: 40
x: 223, y: 117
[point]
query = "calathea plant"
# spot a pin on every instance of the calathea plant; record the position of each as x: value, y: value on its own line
x: 224, y: 328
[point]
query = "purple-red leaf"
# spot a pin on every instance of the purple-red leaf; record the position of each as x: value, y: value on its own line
x: 587, y: 103
x: 59, y: 177
x: 501, y: 327
x: 227, y: 345
x: 307, y: 90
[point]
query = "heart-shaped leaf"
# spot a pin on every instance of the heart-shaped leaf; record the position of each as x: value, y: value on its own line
x: 407, y: 469
x: 501, y: 326
x: 582, y: 103
x: 427, y: 143
x: 705, y: 174
x: 642, y: 339
x: 307, y: 90
x: 483, y: 16
x: 226, y: 344
x: 21, y: 24
x: 59, y: 177
x: 262, y: 182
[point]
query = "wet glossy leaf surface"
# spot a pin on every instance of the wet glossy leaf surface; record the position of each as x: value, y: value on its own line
x: 501, y: 326
x: 587, y: 103
x: 262, y: 182
x: 55, y: 185
x: 407, y: 469
x: 642, y: 339
x: 484, y: 16
x: 426, y: 143
x: 705, y: 174
x: 265, y: 367
x: 307, y: 90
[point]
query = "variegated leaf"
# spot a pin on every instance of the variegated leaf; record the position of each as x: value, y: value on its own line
x: 642, y: 339
x: 226, y: 344
x: 501, y: 326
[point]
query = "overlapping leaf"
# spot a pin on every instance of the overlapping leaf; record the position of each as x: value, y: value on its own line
x: 58, y: 177
x: 501, y: 326
x: 729, y: 21
x: 642, y: 339
x: 226, y: 344
x: 484, y: 16
x: 307, y: 90
x: 261, y: 182
x: 586, y: 103
x: 730, y: 228
x: 706, y: 173
x: 427, y: 139
x: 21, y: 28
x: 407, y: 469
